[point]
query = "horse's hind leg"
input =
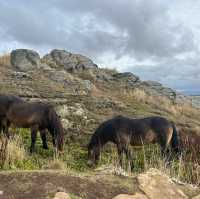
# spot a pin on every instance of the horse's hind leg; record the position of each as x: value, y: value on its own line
x: 5, y: 128
x: 33, y: 138
x: 44, y: 139
x: 165, y: 146
x: 120, y: 154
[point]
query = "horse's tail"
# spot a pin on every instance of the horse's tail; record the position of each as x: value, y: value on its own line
x: 175, y: 142
x: 56, y: 128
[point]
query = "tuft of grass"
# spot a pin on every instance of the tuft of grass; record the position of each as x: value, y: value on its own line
x: 14, y: 151
x: 56, y: 164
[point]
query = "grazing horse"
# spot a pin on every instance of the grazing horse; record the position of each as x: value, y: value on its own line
x: 124, y: 132
x: 5, y: 102
x: 37, y: 116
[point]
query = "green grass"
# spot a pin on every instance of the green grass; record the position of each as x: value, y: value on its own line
x: 75, y: 158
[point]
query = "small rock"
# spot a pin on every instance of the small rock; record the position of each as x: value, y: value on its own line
x: 152, y: 83
x: 196, y: 197
x: 127, y: 76
x: 135, y: 196
x: 62, y: 195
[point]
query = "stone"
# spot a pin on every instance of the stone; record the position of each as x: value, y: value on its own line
x: 196, y: 197
x: 62, y: 195
x: 157, y: 185
x: 135, y: 196
x: 127, y: 76
x: 68, y: 61
x: 21, y: 75
x: 152, y: 83
x: 25, y: 60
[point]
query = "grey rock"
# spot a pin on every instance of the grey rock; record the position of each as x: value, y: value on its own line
x: 127, y: 76
x: 58, y: 76
x: 152, y: 83
x: 87, y: 85
x: 68, y: 61
x: 25, y: 60
x: 21, y: 75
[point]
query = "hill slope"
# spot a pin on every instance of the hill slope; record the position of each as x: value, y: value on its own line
x: 84, y: 96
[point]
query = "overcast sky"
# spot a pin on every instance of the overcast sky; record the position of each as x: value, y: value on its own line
x: 157, y: 39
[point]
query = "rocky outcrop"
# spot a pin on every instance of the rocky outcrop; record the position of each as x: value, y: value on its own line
x: 25, y: 60
x: 68, y: 61
x: 153, y: 88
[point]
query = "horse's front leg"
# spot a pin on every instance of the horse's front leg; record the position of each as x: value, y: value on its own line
x: 128, y: 156
x: 33, y: 138
x: 44, y: 139
x: 166, y: 153
x: 120, y: 154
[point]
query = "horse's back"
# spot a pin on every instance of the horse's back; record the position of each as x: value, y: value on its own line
x: 143, y: 130
x: 6, y: 101
x: 157, y: 122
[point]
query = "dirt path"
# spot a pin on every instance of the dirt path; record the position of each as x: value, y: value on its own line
x: 44, y: 185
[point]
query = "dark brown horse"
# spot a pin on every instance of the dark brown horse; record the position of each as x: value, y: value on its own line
x: 38, y: 117
x: 124, y: 132
x: 5, y: 102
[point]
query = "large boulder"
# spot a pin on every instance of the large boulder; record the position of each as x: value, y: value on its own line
x: 68, y: 61
x: 25, y: 60
x: 155, y: 184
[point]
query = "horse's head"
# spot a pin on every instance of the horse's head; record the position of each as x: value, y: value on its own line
x: 93, y: 154
x: 60, y: 137
x: 56, y: 129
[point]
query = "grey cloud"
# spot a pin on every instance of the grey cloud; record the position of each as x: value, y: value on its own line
x: 139, y: 29
x: 142, y: 28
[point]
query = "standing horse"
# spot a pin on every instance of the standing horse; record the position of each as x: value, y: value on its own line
x: 5, y: 102
x: 124, y: 132
x: 36, y: 116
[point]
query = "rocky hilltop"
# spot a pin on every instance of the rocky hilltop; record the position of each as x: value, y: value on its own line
x: 60, y: 66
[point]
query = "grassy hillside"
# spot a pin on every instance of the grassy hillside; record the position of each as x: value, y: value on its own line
x: 84, y: 99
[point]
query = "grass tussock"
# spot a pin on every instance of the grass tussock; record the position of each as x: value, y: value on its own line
x: 144, y: 158
x: 56, y: 164
x: 75, y: 159
x: 12, y: 152
x: 5, y: 59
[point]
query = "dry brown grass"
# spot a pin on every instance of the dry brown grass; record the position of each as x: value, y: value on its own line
x: 163, y: 103
x: 5, y: 59
x: 13, y: 151
x: 55, y: 164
